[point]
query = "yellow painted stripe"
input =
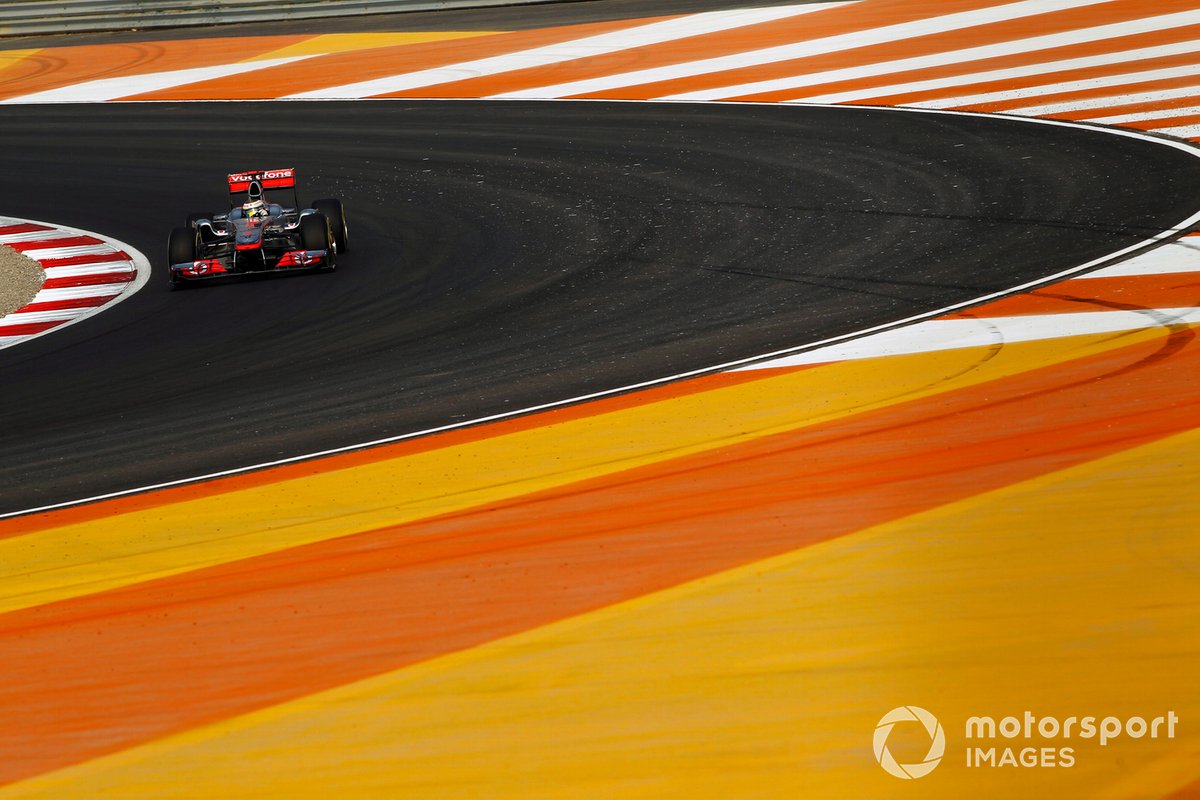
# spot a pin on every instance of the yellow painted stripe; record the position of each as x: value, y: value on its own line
x: 10, y: 58
x: 329, y: 43
x: 1071, y: 594
x: 115, y: 551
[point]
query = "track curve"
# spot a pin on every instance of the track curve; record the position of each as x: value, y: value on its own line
x: 511, y: 254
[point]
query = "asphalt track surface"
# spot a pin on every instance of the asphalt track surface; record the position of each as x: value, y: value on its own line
x: 511, y: 254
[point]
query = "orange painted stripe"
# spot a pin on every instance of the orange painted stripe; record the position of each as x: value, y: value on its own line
x: 16, y: 65
x: 350, y: 67
x: 1180, y: 290
x: 737, y: 40
x: 1100, y: 92
x: 967, y: 69
x: 1117, y: 11
x: 1165, y: 121
x: 134, y: 664
x: 969, y: 87
x: 63, y: 66
x: 1136, y: 108
x: 32, y: 523
x: 834, y: 22
x: 1189, y: 792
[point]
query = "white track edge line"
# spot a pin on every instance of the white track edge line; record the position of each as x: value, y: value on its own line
x: 1175, y: 230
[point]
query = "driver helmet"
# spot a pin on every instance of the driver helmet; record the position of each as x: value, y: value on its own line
x: 254, y: 206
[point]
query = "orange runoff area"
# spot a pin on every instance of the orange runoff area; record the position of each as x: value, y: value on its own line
x: 1180, y: 290
x: 354, y: 66
x: 767, y: 680
x: 969, y: 85
x: 51, y: 68
x: 215, y: 643
x: 853, y: 18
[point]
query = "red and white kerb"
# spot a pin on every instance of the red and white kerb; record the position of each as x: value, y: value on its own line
x: 85, y: 273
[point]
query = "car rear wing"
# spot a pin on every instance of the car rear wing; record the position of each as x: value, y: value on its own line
x: 285, y: 178
x: 266, y: 178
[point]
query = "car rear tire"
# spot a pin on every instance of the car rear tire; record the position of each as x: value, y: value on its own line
x: 333, y: 211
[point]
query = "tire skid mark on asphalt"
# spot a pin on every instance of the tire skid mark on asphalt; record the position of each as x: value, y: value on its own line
x: 1132, y: 295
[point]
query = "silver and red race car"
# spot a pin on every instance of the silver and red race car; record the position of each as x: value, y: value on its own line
x: 257, y: 235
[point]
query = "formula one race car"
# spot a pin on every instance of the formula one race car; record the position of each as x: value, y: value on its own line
x: 256, y: 235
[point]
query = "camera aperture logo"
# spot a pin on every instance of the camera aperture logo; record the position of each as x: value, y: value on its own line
x: 937, y: 742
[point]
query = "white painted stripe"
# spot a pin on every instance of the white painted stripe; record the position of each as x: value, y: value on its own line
x: 962, y: 56
x: 1111, y: 100
x: 78, y: 292
x: 32, y: 236
x: 25, y: 317
x: 813, y: 47
x: 1158, y: 113
x: 1177, y: 257
x: 987, y: 76
x: 1064, y: 87
x: 129, y: 85
x: 40, y: 253
x: 640, y: 36
x: 9, y: 341
x: 956, y: 334
x: 79, y: 270
x: 1182, y: 131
